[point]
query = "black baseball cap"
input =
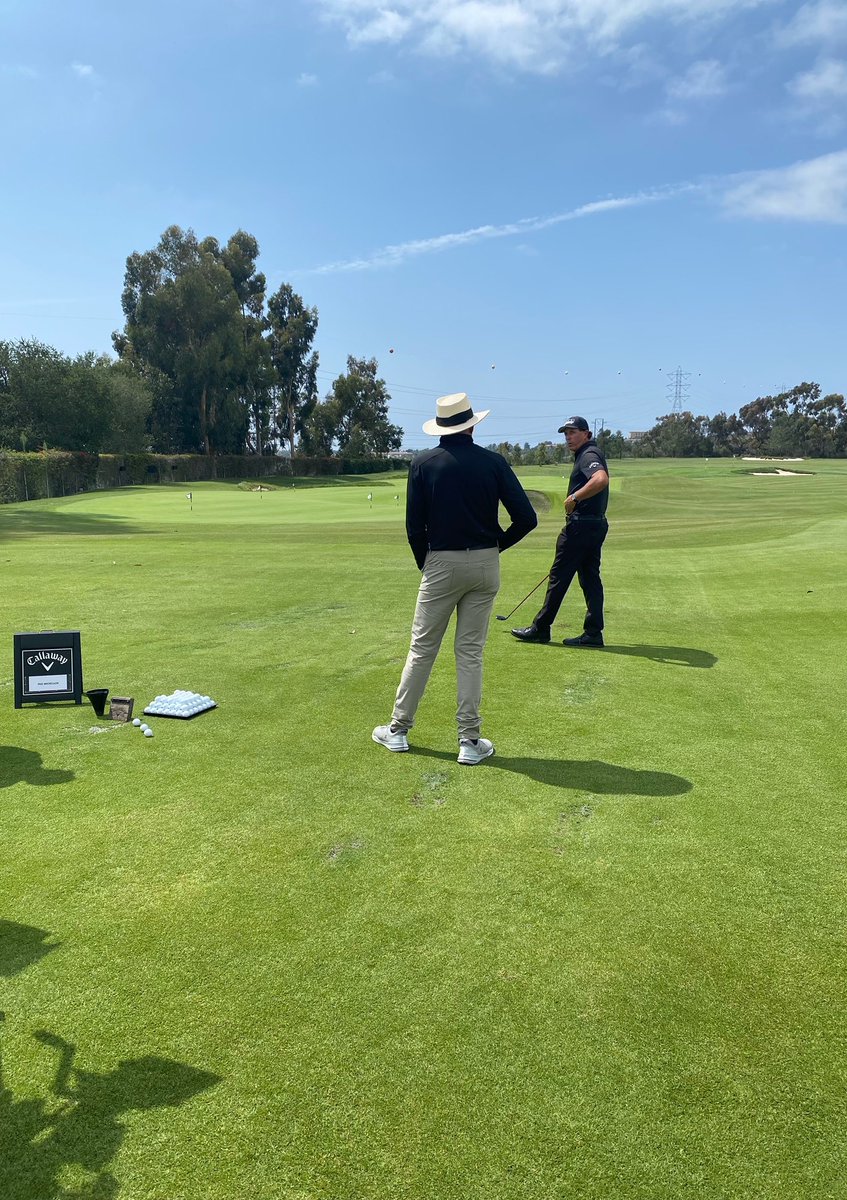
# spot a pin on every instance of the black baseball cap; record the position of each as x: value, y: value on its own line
x: 575, y: 423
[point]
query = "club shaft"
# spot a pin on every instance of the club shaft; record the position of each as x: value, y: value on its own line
x: 526, y: 597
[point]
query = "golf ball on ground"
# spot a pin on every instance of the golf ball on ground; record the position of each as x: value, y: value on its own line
x: 136, y: 721
x: 148, y: 732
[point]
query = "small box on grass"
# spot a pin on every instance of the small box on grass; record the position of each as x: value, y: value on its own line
x: 121, y: 709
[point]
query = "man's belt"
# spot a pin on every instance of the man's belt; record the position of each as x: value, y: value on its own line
x: 580, y: 517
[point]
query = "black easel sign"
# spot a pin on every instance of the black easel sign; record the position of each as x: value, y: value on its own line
x: 48, y: 666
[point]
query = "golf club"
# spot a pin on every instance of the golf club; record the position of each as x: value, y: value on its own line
x: 526, y: 597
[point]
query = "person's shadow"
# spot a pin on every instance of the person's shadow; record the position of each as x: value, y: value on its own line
x: 75, y: 1130
x: 21, y: 946
x: 77, y: 1126
x: 677, y: 656
x: 18, y: 765
x: 583, y: 775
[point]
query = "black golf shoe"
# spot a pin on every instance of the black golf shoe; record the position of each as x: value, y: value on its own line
x: 585, y: 639
x: 531, y: 634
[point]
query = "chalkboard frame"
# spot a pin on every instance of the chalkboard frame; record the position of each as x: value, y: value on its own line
x: 65, y: 643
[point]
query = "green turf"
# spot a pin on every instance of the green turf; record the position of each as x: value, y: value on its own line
x: 268, y: 959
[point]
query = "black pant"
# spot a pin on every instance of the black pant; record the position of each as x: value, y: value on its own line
x: 577, y: 553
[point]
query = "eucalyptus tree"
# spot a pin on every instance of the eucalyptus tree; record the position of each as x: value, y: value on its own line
x: 184, y: 321
x: 797, y: 421
x: 292, y: 326
x: 727, y: 434
x: 359, y: 403
x: 680, y: 435
x: 317, y: 437
x: 239, y: 257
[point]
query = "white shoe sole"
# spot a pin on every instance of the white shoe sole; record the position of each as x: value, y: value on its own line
x: 393, y: 749
x: 474, y: 762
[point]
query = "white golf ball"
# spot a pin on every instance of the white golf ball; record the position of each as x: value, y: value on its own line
x: 144, y: 727
x: 136, y: 720
x: 148, y: 732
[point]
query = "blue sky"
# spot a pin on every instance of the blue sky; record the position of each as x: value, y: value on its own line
x: 549, y: 204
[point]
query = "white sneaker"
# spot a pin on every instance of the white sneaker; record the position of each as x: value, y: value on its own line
x: 471, y: 753
x: 392, y: 741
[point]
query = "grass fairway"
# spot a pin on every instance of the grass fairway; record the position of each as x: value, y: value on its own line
x: 256, y: 956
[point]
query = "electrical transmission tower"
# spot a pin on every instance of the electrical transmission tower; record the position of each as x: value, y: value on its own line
x: 678, y: 389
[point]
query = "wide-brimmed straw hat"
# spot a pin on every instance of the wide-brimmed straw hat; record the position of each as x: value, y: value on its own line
x: 453, y: 415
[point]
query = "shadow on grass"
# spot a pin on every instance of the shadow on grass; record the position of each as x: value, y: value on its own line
x: 26, y: 523
x: 677, y: 656
x: 70, y: 1136
x: 584, y: 775
x: 21, y: 946
x: 24, y: 766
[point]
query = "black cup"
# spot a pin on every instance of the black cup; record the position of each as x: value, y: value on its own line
x: 97, y: 696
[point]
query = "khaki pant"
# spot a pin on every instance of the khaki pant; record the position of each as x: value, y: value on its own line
x: 466, y: 581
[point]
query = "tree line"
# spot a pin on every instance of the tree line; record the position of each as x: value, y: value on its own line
x: 800, y: 422
x: 207, y: 362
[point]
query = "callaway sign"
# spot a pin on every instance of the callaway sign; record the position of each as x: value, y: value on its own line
x: 48, y: 666
x: 39, y: 666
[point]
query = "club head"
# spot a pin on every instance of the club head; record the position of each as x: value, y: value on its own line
x: 502, y: 618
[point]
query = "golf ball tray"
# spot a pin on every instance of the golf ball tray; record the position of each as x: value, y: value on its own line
x: 180, y: 704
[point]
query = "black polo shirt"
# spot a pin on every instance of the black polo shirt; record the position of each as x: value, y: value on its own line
x: 588, y: 460
x: 453, y: 497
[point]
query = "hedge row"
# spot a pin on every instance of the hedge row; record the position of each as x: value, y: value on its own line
x: 64, y: 473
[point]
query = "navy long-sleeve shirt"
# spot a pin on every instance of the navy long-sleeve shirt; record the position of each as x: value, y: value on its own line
x: 453, y: 496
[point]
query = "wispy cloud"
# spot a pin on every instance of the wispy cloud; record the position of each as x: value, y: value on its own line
x: 530, y: 35
x: 823, y: 23
x: 379, y: 25
x: 702, y: 81
x: 394, y: 256
x: 824, y: 83
x: 306, y: 80
x: 814, y: 190
x: 383, y: 78
x: 86, y: 73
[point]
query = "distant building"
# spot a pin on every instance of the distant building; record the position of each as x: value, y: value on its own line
x: 638, y: 435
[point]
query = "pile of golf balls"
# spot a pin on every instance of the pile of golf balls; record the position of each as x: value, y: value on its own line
x: 179, y: 704
x: 145, y: 729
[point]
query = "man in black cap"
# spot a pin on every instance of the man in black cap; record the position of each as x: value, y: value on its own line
x: 578, y: 545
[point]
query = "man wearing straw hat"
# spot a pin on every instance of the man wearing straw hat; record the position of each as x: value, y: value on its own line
x: 452, y: 525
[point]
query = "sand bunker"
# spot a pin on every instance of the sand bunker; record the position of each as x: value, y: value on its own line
x: 779, y: 471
